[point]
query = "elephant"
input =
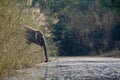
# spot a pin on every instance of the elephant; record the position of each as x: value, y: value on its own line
x: 36, y: 36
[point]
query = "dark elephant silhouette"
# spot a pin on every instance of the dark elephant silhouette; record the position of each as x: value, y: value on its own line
x: 35, y: 36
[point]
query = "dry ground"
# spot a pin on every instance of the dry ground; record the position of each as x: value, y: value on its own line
x: 72, y: 68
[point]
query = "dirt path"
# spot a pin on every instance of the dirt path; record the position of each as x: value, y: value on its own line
x: 72, y: 68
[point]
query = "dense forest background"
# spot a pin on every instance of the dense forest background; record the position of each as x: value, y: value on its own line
x: 84, y: 27
x: 71, y: 28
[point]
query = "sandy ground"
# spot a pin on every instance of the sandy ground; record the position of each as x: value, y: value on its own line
x: 71, y: 68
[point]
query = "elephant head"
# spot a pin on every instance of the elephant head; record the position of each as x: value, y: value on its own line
x: 35, y: 36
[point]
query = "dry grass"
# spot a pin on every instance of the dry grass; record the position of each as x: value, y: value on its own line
x: 17, y: 54
x: 113, y: 53
x: 14, y: 52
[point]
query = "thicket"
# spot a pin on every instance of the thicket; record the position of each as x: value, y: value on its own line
x: 84, y: 27
x: 14, y: 52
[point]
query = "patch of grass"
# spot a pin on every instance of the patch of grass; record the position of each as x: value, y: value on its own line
x: 113, y: 53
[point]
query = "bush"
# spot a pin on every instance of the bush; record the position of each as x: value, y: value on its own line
x: 14, y: 52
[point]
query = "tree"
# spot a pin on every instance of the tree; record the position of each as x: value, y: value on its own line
x: 84, y: 26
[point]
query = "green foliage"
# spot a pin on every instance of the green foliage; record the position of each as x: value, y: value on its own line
x: 84, y: 26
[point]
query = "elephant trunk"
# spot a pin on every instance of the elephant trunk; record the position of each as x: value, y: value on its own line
x: 45, y: 52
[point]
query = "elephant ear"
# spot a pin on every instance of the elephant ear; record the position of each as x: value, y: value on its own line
x: 30, y: 35
x: 39, y: 38
x: 34, y: 36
